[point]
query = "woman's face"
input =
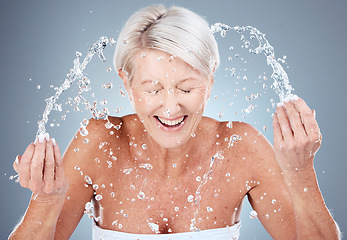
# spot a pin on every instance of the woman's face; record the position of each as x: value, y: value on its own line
x: 168, y: 95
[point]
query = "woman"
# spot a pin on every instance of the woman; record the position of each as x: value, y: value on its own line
x: 167, y: 169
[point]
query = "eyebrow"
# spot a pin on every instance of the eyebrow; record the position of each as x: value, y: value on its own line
x: 189, y: 79
x: 146, y: 81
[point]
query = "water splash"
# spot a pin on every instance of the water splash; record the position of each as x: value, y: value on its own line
x: 197, y: 197
x: 76, y: 73
x: 281, y: 82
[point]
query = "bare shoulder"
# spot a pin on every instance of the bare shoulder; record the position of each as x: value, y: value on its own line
x: 245, y: 140
x: 86, y: 144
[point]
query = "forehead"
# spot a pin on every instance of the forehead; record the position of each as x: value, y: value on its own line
x: 156, y: 63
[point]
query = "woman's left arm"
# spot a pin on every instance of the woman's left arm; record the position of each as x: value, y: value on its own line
x: 296, y: 140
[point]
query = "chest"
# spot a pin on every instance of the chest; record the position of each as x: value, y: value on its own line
x: 133, y: 199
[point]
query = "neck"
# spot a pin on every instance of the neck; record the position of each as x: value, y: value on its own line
x: 171, y: 162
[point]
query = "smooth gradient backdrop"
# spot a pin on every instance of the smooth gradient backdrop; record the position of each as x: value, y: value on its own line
x: 38, y: 44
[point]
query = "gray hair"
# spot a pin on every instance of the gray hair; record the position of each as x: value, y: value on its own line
x: 176, y: 31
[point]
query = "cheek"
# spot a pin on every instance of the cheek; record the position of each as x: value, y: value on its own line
x: 144, y: 102
x: 194, y: 101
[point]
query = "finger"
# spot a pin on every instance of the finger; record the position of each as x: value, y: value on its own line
x: 308, y: 119
x: 24, y: 165
x: 284, y: 123
x: 295, y: 120
x: 49, y: 169
x: 59, y: 171
x: 278, y: 138
x: 36, y: 166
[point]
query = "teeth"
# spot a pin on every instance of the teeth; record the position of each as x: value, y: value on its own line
x: 171, y: 123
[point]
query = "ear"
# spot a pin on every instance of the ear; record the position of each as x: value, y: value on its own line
x: 124, y: 76
x: 211, y: 81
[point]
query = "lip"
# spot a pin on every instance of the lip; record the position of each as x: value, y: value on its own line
x: 171, y: 129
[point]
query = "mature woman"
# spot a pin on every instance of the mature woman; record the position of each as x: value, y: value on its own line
x: 166, y: 172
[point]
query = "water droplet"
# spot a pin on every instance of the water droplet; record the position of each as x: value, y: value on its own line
x: 112, y: 41
x: 127, y: 171
x: 141, y: 195
x: 154, y: 227
x: 190, y: 198
x: 144, y: 146
x: 267, y: 216
x: 273, y: 201
x: 198, y: 179
x: 86, y: 140
x: 177, y: 209
x: 38, y: 87
x: 103, y: 102
x: 122, y: 93
x: 108, y: 125
x: 253, y: 214
x: 220, y: 115
x: 146, y: 166
x: 88, y: 179
x: 98, y: 197
x: 108, y: 69
x: 249, y: 109
x: 209, y: 209
x: 305, y: 189
x: 233, y: 139
x: 107, y: 86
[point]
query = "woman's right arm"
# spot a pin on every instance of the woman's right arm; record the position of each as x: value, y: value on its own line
x: 58, y: 195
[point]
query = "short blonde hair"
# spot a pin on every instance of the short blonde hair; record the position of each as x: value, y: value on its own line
x: 176, y: 31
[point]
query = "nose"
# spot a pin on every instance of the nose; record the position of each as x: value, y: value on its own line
x: 170, y: 103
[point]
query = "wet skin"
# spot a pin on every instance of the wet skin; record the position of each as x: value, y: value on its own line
x: 179, y: 155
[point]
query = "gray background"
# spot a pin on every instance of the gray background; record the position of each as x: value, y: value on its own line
x: 39, y: 40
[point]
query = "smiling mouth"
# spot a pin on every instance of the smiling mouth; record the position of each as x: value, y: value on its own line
x: 171, y: 123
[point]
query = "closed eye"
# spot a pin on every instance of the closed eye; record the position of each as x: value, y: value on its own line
x: 185, y: 91
x: 154, y: 92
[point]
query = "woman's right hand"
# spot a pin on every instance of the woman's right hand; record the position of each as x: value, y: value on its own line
x: 41, y: 167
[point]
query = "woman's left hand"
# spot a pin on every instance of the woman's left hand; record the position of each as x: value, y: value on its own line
x: 296, y: 136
